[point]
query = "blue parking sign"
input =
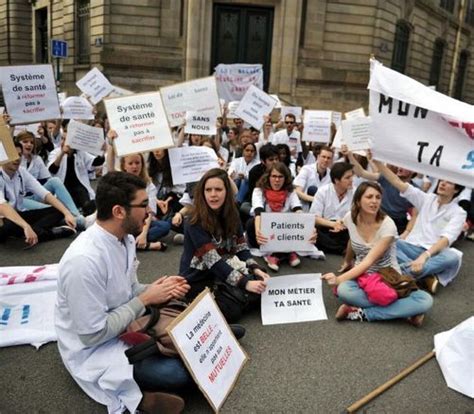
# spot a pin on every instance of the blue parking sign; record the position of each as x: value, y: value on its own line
x: 58, y: 48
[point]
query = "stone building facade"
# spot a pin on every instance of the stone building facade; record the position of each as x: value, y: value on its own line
x: 315, y: 52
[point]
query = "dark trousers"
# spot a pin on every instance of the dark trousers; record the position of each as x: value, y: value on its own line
x: 401, y: 223
x: 330, y: 242
x: 81, y: 198
x: 231, y: 310
x: 41, y: 221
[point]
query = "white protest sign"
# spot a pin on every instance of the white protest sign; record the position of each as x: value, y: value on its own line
x: 200, y: 123
x: 277, y: 99
x: 208, y: 348
x: 254, y: 106
x: 357, y: 133
x: 119, y: 92
x: 234, y: 80
x: 189, y: 164
x: 85, y: 137
x: 287, y: 232
x: 61, y: 97
x: 294, y: 110
x: 338, y: 141
x: 33, y: 128
x: 77, y: 107
x: 317, y: 126
x: 231, y: 109
x: 197, y: 95
x: 427, y: 132
x: 95, y: 85
x: 356, y: 113
x: 293, y: 298
x: 336, y: 118
x: 140, y: 122
x: 3, y: 153
x: 29, y: 93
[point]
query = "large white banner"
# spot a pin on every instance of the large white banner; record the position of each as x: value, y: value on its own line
x: 287, y: 232
x: 29, y: 93
x: 140, y: 122
x: 208, y: 348
x: 197, y: 95
x: 420, y: 129
x: 293, y: 298
x: 189, y: 164
x: 234, y: 80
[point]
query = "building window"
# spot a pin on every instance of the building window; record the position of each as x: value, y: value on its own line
x: 400, y: 47
x: 436, y: 62
x: 469, y: 19
x: 461, y: 74
x: 42, y: 41
x: 83, y: 32
x: 447, y: 5
x: 303, y: 22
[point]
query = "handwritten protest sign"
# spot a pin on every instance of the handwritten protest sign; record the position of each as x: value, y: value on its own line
x: 336, y: 118
x: 254, y: 106
x: 61, y: 97
x: 140, y: 123
x: 357, y: 133
x: 119, y: 92
x: 189, y: 164
x: 294, y: 298
x: 84, y: 137
x: 317, y: 126
x: 29, y: 93
x: 234, y: 80
x: 198, y: 95
x: 200, y: 123
x: 208, y: 348
x: 77, y: 107
x: 356, y: 113
x: 287, y: 232
x: 8, y: 151
x: 294, y: 110
x: 95, y: 85
x: 231, y: 109
x: 417, y: 128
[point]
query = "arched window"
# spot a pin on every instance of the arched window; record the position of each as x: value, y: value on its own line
x: 400, y: 47
x: 436, y: 62
x: 461, y: 74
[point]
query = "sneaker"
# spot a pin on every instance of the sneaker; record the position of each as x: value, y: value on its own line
x: 350, y: 313
x: 416, y: 320
x: 161, y: 402
x: 62, y: 231
x: 90, y: 220
x: 272, y: 262
x: 431, y: 283
x: 294, y: 260
x: 237, y: 330
x: 178, y: 238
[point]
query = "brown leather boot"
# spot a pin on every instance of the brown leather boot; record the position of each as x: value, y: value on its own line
x: 161, y: 403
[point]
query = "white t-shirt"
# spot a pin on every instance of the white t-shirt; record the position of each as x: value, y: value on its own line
x: 97, y: 274
x: 326, y: 203
x: 240, y: 166
x: 361, y: 247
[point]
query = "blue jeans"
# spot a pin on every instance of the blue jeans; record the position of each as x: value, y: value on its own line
x: 157, y: 230
x: 418, y: 302
x: 57, y: 188
x: 443, y: 261
x: 160, y: 373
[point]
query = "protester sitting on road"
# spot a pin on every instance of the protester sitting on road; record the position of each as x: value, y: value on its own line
x: 72, y: 168
x: 274, y: 193
x: 36, y: 167
x: 215, y: 251
x: 99, y: 296
x: 330, y: 205
x: 313, y: 176
x: 372, y: 245
x: 36, y: 225
x: 425, y: 253
x: 154, y: 229
x: 396, y: 206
